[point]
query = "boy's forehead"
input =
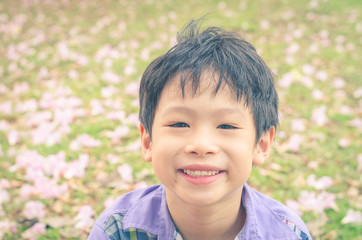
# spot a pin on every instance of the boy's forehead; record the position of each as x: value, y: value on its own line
x: 206, y: 84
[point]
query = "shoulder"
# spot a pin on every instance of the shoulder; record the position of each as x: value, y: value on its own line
x: 269, y: 211
x: 110, y: 224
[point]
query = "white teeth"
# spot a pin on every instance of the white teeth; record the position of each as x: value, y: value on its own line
x: 197, y: 173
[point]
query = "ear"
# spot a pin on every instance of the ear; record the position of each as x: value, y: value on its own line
x: 263, y: 147
x: 145, y: 143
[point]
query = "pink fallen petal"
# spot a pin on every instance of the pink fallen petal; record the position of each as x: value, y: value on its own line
x: 4, y: 196
x: 344, y: 142
x: 84, y: 219
x: 6, y: 107
x: 353, y: 217
x: 125, y: 171
x: 319, y: 116
x: 294, y: 143
x: 298, y: 125
x: 132, y: 88
x: 34, y: 209
x: 13, y: 137
x: 359, y: 159
x: 321, y: 183
x: 35, y: 231
x: 109, y: 202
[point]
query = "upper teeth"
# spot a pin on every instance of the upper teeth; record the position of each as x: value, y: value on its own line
x: 197, y: 173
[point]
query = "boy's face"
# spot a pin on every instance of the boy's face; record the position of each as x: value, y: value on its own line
x: 203, y: 146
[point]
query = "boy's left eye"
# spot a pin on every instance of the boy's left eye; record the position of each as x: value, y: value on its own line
x: 226, y: 126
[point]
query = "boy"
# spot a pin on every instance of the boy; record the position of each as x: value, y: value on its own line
x: 208, y: 112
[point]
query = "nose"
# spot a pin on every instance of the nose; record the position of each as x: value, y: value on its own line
x: 202, y: 143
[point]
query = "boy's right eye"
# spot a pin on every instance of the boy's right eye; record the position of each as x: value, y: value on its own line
x: 179, y: 125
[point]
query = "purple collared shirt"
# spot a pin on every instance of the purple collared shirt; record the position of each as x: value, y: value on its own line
x: 143, y: 214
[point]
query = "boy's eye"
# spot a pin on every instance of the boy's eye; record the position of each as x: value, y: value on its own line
x: 179, y: 125
x: 226, y: 126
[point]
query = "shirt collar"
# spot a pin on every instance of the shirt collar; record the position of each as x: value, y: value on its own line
x: 262, y: 222
x: 158, y: 221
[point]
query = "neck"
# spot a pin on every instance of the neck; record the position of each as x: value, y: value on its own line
x: 222, y: 220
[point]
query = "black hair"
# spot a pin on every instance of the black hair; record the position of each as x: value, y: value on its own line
x: 226, y: 53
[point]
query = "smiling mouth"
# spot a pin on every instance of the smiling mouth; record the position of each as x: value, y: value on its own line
x: 198, y: 173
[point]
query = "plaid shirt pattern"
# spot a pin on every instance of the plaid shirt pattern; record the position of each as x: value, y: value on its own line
x: 114, y: 231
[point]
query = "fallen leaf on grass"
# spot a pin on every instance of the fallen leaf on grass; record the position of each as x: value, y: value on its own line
x: 316, y: 226
x: 58, y: 222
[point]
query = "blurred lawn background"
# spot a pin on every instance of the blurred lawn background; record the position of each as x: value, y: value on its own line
x: 69, y: 74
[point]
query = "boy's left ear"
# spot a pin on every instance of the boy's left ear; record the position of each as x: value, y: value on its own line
x: 263, y: 147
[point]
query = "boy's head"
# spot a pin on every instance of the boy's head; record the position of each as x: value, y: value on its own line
x: 226, y: 56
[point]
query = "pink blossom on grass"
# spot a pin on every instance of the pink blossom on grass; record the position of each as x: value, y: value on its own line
x: 2, y: 214
x: 346, y: 110
x: 111, y: 158
x: 48, y: 188
x: 38, y: 118
x: 3, y: 88
x: 20, y: 88
x: 307, y: 81
x: 125, y: 171
x: 35, y: 231
x: 357, y: 123
x: 4, y: 125
x: 319, y: 116
x: 294, y: 142
x: 308, y: 69
x: 29, y: 105
x: 29, y: 158
x: 34, y: 209
x: 129, y: 70
x: 84, y: 140
x: 13, y: 137
x: 132, y: 88
x: 6, y: 107
x: 359, y: 160
x: 118, y: 133
x: 4, y: 196
x: 321, y: 183
x: 298, y: 125
x: 317, y: 94
x: 6, y: 227
x: 357, y: 93
x: 108, y: 91
x: 111, y: 77
x: 4, y: 183
x: 140, y: 185
x: 116, y: 115
x: 311, y: 201
x: 321, y: 75
x: 76, y: 169
x: 133, y: 119
x: 292, y: 49
x: 338, y: 83
x: 344, y: 142
x: 108, y: 202
x: 286, y: 80
x: 352, y: 217
x: 96, y: 107
x: 84, y: 219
